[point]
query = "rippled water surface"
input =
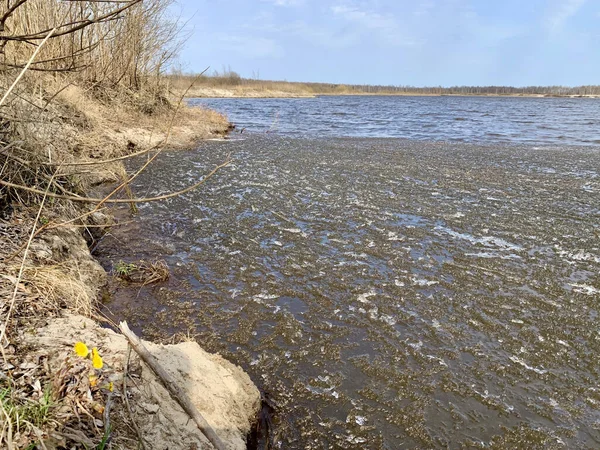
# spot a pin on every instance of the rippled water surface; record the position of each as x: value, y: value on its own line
x: 387, y: 293
x: 550, y: 121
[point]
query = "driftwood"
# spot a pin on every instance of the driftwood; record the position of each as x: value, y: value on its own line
x: 174, y: 389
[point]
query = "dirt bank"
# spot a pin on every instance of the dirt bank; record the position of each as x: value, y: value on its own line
x: 49, y: 290
x: 222, y: 392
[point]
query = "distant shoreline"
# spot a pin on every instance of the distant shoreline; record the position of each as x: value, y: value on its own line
x: 231, y: 85
x: 300, y: 96
x: 243, y: 92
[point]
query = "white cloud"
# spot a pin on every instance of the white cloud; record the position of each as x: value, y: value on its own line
x: 370, y: 19
x: 563, y: 11
x: 249, y: 46
x: 285, y: 2
x: 385, y: 26
x: 320, y: 36
x: 424, y: 8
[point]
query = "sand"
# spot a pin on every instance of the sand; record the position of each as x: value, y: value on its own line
x: 222, y: 392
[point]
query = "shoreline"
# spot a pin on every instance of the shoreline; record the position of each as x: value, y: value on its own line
x: 64, y: 281
x: 242, y: 92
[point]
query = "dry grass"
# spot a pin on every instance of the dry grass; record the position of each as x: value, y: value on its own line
x: 61, y: 286
x: 230, y: 84
x: 46, y: 290
x: 105, y: 43
x: 92, y: 95
x: 142, y: 272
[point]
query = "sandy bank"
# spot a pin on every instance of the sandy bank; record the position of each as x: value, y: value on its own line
x: 60, y: 278
x: 221, y: 391
x: 241, y: 92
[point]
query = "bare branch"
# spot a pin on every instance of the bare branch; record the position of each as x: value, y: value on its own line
x: 131, y: 200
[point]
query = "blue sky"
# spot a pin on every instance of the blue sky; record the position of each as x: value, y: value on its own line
x: 399, y: 42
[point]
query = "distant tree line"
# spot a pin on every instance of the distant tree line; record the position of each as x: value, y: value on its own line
x: 227, y: 78
x: 481, y: 90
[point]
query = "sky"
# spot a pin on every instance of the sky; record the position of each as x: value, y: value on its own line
x: 397, y: 42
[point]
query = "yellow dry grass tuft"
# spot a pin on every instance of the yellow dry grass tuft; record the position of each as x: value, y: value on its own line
x: 61, y: 287
x: 89, y: 97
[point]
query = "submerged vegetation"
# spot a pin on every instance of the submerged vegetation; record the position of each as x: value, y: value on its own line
x: 143, y: 272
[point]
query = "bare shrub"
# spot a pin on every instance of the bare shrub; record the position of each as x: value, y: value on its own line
x: 111, y: 52
x: 103, y: 43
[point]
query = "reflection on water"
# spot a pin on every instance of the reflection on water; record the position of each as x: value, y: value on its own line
x: 536, y: 121
x: 386, y: 293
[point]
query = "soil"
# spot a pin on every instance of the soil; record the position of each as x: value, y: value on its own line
x: 222, y: 392
x: 62, y: 279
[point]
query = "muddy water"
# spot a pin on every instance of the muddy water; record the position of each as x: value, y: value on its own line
x: 386, y: 293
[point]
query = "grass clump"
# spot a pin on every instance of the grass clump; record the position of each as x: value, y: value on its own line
x: 23, y: 418
x: 124, y: 270
x: 26, y: 412
x: 142, y: 272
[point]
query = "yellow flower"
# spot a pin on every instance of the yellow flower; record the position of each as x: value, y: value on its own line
x: 98, y: 408
x: 81, y: 349
x: 96, y: 359
x: 93, y: 380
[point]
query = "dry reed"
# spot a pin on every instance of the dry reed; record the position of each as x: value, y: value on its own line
x: 229, y: 82
x: 63, y: 66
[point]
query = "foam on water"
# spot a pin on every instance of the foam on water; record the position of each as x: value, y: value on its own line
x: 373, y: 312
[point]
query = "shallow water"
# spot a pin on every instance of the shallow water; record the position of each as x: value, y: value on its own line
x: 387, y: 293
x: 536, y: 121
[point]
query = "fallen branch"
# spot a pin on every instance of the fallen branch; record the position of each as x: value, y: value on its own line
x: 174, y: 389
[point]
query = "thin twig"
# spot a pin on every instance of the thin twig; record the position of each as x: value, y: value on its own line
x: 107, y: 433
x: 76, y: 25
x: 21, y: 269
x: 119, y: 200
x: 37, y: 50
x: 8, y: 427
x: 106, y: 161
x: 125, y: 374
x: 38, y: 433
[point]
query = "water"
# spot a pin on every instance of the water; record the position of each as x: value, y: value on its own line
x: 386, y: 293
x: 548, y: 121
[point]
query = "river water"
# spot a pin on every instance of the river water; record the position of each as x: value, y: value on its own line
x: 549, y: 121
x: 389, y: 286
